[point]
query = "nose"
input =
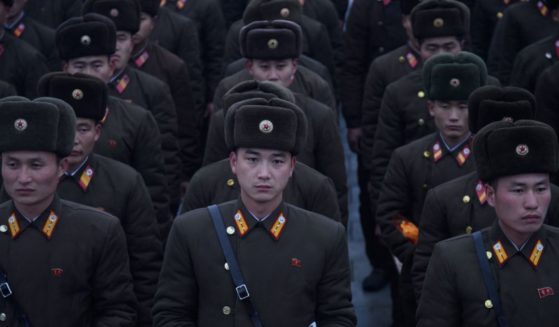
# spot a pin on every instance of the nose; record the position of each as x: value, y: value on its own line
x: 264, y: 171
x: 24, y: 177
x: 530, y: 200
x: 454, y: 116
x: 273, y: 74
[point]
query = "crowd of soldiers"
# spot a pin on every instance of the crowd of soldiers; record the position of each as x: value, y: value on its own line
x: 179, y: 162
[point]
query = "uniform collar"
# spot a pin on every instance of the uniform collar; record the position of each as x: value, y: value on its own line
x: 84, y: 174
x: 460, y: 152
x: 503, y: 249
x: 141, y: 57
x: 17, y: 21
x: 412, y: 57
x: 275, y: 224
x: 542, y: 8
x: 46, y: 222
x: 120, y: 80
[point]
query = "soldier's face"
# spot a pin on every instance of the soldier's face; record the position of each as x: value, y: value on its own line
x: 96, y: 66
x: 451, y: 118
x: 124, y: 49
x: 262, y: 175
x: 521, y: 203
x: 281, y: 72
x: 146, y: 27
x: 437, y: 45
x: 87, y: 133
x: 31, y: 178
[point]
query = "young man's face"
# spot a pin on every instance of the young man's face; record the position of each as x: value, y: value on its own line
x: 281, y: 72
x: 451, y: 118
x: 436, y: 45
x: 31, y: 177
x: 96, y: 66
x: 262, y: 174
x: 521, y: 203
x: 146, y: 27
x: 87, y: 133
x: 124, y: 47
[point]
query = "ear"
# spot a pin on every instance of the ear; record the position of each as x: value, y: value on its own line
x: 431, y: 107
x: 65, y: 66
x: 233, y: 162
x: 62, y: 167
x: 491, y: 194
x: 98, y: 131
x: 248, y: 66
x: 293, y: 163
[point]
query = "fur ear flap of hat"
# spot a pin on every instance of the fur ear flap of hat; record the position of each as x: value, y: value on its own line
x: 125, y: 14
x: 253, y: 89
x: 492, y: 103
x: 505, y: 148
x: 266, y: 124
x: 449, y: 77
x: 89, y: 35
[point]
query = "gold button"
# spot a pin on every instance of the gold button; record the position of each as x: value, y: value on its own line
x: 226, y: 310
x: 489, y: 255
x: 421, y: 122
x: 488, y: 304
x: 426, y: 154
x: 499, y: 15
x: 401, y: 59
x: 469, y: 230
x: 3, y: 228
x: 230, y: 182
x: 421, y: 94
x: 3, y: 317
x: 230, y: 230
x: 466, y: 199
x: 226, y: 266
x: 425, y: 186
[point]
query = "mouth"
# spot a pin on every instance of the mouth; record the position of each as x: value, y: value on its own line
x: 75, y: 153
x: 263, y: 188
x: 454, y: 128
x: 24, y: 191
x: 531, y: 218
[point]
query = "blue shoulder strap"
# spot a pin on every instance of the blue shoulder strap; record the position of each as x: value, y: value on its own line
x: 488, y: 280
x: 6, y: 293
x: 240, y: 285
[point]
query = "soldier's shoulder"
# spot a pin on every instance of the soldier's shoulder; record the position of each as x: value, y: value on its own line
x: 417, y: 146
x: 198, y: 220
x: 314, y: 223
x: 88, y: 216
x: 213, y: 172
x: 123, y: 172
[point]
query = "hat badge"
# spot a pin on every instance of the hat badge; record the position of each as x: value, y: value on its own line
x: 522, y: 149
x: 508, y: 119
x: 455, y: 82
x: 114, y: 12
x: 438, y: 22
x: 20, y: 124
x: 77, y: 94
x: 266, y: 126
x: 285, y: 12
x: 273, y: 43
x: 85, y: 40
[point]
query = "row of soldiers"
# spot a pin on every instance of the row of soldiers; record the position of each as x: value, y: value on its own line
x: 140, y: 96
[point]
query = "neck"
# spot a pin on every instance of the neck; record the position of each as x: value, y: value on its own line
x: 72, y: 167
x: 34, y: 210
x: 260, y: 209
x: 451, y: 142
x: 13, y: 18
x: 139, y: 47
x: 517, y: 238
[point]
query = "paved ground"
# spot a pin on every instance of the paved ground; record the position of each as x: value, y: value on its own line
x: 373, y: 309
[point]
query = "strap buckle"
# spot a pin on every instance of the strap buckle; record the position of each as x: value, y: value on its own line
x: 242, y: 292
x: 5, y: 290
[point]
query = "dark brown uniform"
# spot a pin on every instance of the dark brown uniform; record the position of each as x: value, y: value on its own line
x: 54, y: 12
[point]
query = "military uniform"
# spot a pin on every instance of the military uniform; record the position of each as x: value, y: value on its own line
x: 6, y: 90
x: 232, y: 10
x: 305, y: 82
x: 547, y: 97
x: 130, y: 135
x: 38, y: 36
x: 53, y: 13
x: 485, y: 16
x: 532, y: 61
x: 75, y: 275
x: 522, y: 24
x: 21, y: 65
x: 307, y: 189
x: 179, y: 35
x: 295, y: 277
x: 211, y: 33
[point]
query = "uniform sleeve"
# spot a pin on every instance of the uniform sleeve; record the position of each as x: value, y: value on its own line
x: 482, y: 30
x: 322, y: 50
x: 213, y: 36
x: 392, y: 208
x: 432, y: 229
x: 232, y: 46
x: 216, y: 149
x: 324, y: 199
x: 353, y: 75
x: 439, y: 305
x: 35, y: 67
x: 113, y: 296
x: 196, y: 196
x: 322, y: 92
x: 144, y: 247
x: 496, y: 48
x: 333, y: 296
x: 177, y: 292
x: 148, y: 160
x: 548, y: 102
x: 330, y: 159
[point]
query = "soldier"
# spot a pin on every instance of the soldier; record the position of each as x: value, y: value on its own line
x: 39, y: 36
x: 503, y: 275
x: 460, y: 206
x: 295, y: 262
x: 323, y: 150
x: 429, y: 161
x: 316, y: 42
x: 522, y: 24
x: 20, y: 64
x: 107, y: 184
x: 62, y: 263
x: 547, y: 98
x: 130, y: 133
x: 145, y: 90
x: 54, y: 12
